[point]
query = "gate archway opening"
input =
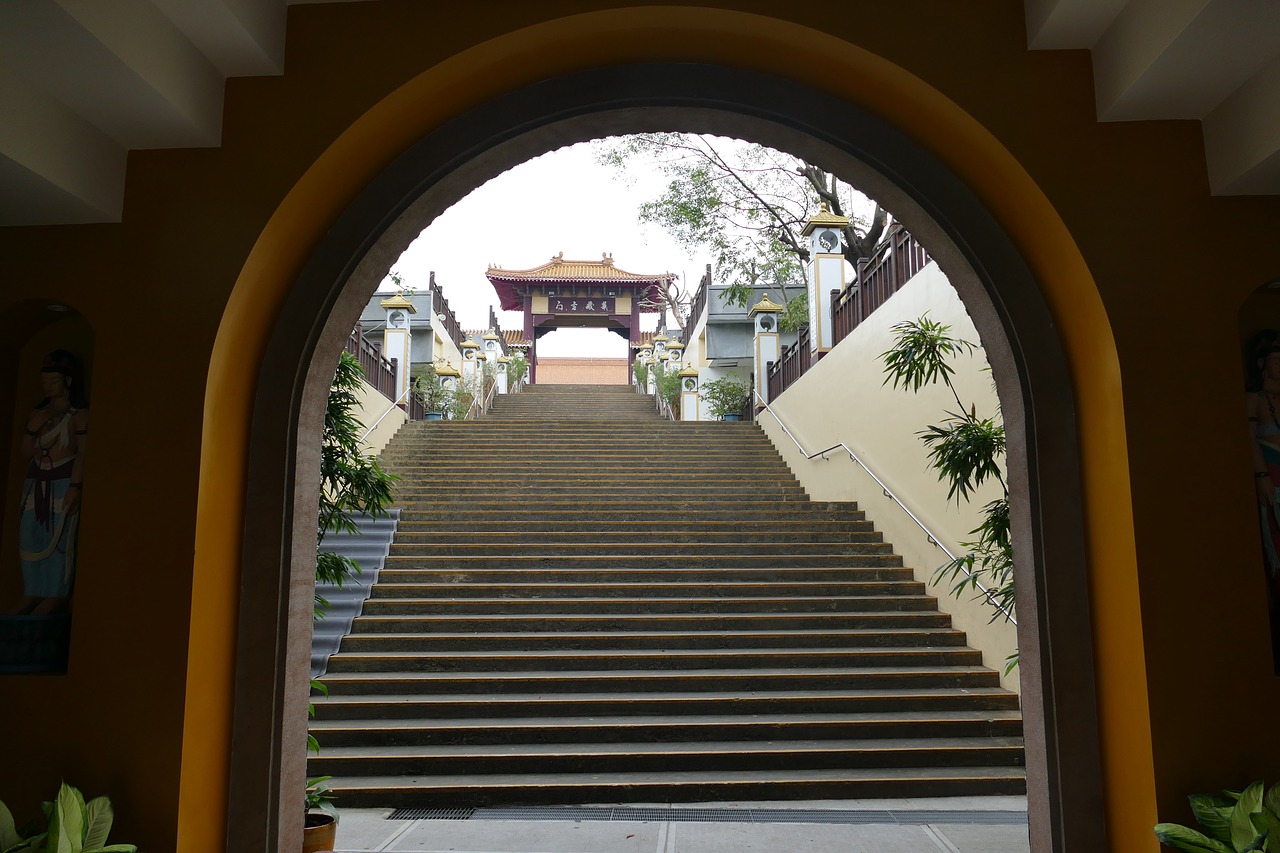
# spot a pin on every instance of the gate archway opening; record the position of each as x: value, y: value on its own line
x: 1003, y: 297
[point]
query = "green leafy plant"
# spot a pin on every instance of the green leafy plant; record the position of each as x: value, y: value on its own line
x: 426, y: 386
x: 320, y: 687
x: 1237, y: 822
x: 517, y: 367
x: 965, y: 450
x: 668, y: 384
x: 72, y: 826
x: 641, y: 371
x: 728, y: 395
x: 459, y: 403
x: 351, y: 482
x: 318, y: 796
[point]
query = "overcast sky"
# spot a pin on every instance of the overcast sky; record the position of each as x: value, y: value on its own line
x: 560, y: 202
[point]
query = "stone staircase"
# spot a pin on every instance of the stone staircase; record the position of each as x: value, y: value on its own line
x: 587, y: 604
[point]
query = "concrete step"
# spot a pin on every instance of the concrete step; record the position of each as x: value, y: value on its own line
x: 650, y: 757
x: 547, y: 620
x: 782, y: 551
x: 446, y: 588
x: 350, y: 692
x: 667, y: 728
x: 836, y: 606
x: 690, y: 786
x: 620, y: 659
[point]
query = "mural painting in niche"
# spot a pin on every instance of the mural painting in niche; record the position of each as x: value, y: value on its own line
x: 54, y: 440
x: 1263, y: 404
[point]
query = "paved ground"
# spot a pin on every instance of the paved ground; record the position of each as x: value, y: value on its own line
x: 362, y: 830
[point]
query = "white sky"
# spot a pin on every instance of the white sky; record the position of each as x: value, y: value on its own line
x: 561, y: 201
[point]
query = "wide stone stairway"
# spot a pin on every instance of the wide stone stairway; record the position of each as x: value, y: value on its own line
x: 587, y: 604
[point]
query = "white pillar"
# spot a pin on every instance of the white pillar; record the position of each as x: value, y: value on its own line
x: 825, y: 274
x: 689, y: 401
x: 767, y: 347
x: 502, y: 361
x: 396, y: 339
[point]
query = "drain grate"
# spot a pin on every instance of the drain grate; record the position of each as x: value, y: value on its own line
x: 641, y: 814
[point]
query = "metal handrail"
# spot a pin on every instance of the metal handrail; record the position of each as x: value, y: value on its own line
x: 389, y: 410
x: 933, y: 539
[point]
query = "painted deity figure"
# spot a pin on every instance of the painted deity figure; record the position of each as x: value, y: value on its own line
x: 54, y: 443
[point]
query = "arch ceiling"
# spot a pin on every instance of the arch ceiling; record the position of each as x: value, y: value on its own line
x: 90, y: 84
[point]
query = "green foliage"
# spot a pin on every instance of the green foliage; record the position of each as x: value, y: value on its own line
x: 1235, y: 822
x: 920, y: 354
x: 350, y: 481
x: 728, y: 395
x: 320, y: 687
x: 966, y: 451
x: 795, y: 314
x: 458, y: 403
x: 517, y: 367
x: 641, y: 371
x: 426, y: 386
x: 746, y: 205
x: 668, y: 384
x: 73, y: 826
x: 318, y: 796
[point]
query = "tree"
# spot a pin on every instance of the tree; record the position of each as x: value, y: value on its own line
x: 747, y: 205
x: 351, y: 482
x: 966, y: 451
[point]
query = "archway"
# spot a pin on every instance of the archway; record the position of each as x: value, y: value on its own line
x: 999, y: 290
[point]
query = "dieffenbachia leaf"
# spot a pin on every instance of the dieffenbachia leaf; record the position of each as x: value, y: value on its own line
x: 1184, y: 838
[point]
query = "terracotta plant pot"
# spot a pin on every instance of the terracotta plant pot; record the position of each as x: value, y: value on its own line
x: 319, y: 833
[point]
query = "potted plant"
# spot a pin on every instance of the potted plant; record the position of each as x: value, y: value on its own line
x: 727, y: 397
x: 435, y: 400
x: 72, y: 825
x: 320, y: 830
x: 1237, y: 822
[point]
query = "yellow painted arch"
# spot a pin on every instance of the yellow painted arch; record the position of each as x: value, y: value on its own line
x: 646, y: 34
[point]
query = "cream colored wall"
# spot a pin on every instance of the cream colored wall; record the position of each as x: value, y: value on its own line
x: 445, y: 349
x: 373, y: 405
x: 842, y: 399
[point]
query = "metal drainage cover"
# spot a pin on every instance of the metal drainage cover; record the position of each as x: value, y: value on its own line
x: 697, y: 815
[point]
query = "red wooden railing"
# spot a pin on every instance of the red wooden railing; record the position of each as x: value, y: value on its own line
x: 379, y: 372
x: 900, y: 257
x: 880, y: 276
x: 699, y: 302
x: 791, y: 365
x: 441, y: 306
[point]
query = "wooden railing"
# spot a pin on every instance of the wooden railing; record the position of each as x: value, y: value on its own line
x: 879, y: 277
x: 791, y: 365
x: 699, y: 303
x: 497, y: 330
x: 417, y: 411
x: 440, y: 306
x: 379, y: 372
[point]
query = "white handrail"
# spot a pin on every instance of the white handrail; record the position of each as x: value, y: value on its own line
x: 393, y: 406
x: 933, y: 539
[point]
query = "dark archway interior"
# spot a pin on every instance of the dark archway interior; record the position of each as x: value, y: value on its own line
x: 998, y: 289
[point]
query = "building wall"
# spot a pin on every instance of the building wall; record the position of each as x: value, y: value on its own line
x: 1101, y: 213
x: 378, y: 413
x: 843, y: 398
x: 583, y: 371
